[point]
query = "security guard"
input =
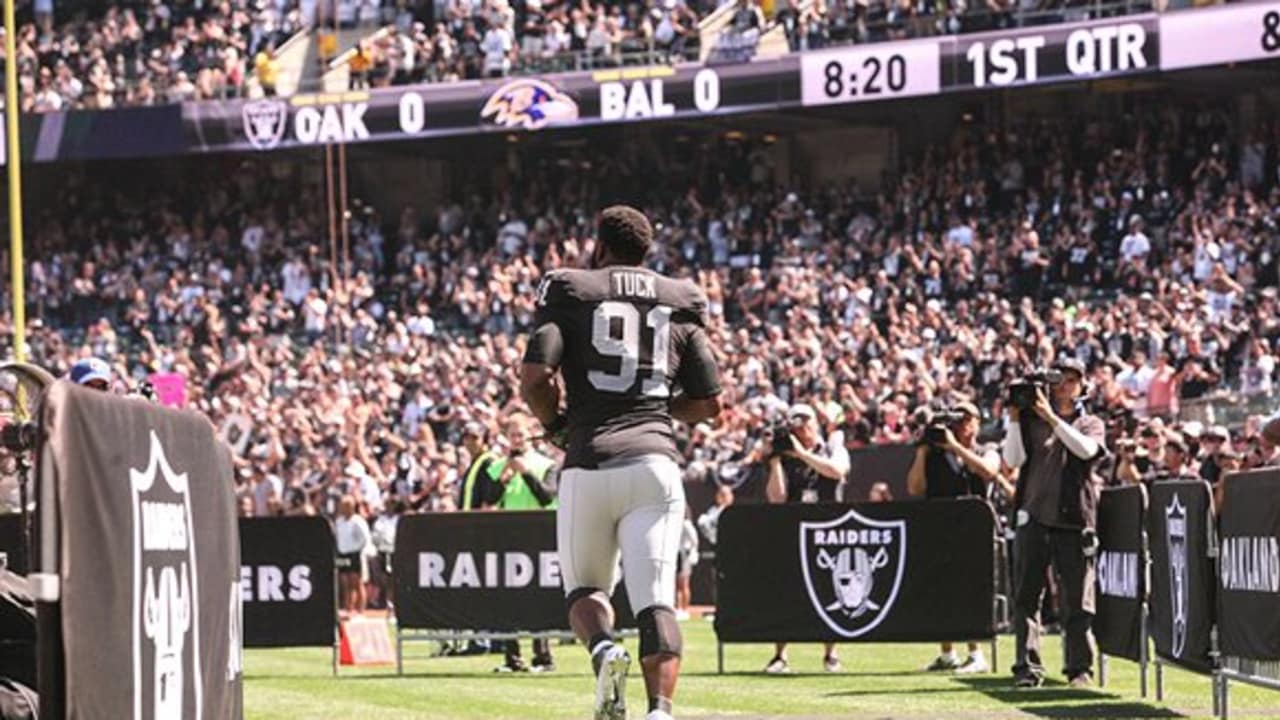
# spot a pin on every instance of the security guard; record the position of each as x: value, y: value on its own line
x: 1053, y: 445
x: 481, y: 489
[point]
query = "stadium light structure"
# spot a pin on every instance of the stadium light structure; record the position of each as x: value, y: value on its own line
x: 13, y: 156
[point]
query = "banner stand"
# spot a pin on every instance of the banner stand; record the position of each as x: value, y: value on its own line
x: 1144, y: 660
x: 463, y: 636
x: 337, y: 631
x: 1259, y: 673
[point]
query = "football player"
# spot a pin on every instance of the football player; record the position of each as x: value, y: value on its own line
x: 632, y: 353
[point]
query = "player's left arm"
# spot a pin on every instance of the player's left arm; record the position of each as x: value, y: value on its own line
x: 700, y: 379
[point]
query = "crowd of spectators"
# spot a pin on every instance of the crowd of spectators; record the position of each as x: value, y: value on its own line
x: 1145, y: 248
x: 139, y: 54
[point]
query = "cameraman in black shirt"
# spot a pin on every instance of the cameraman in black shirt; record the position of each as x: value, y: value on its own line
x: 948, y: 464
x: 803, y: 469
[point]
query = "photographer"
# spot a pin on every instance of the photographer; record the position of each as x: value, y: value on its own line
x: 1126, y: 469
x: 948, y: 464
x: 1053, y: 444
x: 804, y: 469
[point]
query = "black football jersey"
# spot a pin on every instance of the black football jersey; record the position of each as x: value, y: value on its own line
x: 626, y: 339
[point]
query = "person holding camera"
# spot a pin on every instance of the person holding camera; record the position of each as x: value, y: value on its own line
x: 526, y: 476
x: 1053, y: 442
x: 948, y: 464
x: 804, y: 469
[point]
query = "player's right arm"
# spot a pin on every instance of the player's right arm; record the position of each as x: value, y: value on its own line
x: 544, y: 352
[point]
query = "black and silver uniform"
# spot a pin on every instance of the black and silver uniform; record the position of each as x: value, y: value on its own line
x: 626, y: 340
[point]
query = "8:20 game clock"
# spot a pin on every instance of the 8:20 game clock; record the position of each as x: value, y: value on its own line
x: 860, y: 73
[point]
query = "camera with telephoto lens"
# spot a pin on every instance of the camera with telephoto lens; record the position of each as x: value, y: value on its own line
x: 935, y: 433
x: 18, y: 437
x: 1022, y: 393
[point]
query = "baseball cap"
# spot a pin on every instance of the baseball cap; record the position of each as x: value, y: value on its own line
x: 967, y: 408
x: 473, y: 428
x: 1070, y: 364
x: 1218, y: 432
x: 801, y: 410
x: 90, y: 369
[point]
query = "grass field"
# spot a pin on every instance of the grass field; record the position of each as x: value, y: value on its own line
x: 879, y: 681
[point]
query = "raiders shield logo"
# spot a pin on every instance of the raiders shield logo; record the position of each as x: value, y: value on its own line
x: 1175, y: 531
x: 853, y: 568
x: 264, y: 122
x: 166, y: 622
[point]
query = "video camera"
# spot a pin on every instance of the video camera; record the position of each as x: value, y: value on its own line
x: 1022, y: 393
x: 17, y: 437
x: 935, y: 433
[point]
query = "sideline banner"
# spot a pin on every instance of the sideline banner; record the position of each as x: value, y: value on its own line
x: 1181, y: 531
x: 286, y: 582
x: 1121, y: 571
x: 483, y: 571
x: 898, y: 571
x: 1249, y: 566
x: 149, y: 558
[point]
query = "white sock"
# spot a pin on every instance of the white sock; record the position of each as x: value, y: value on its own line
x: 975, y: 654
x: 950, y: 655
x: 658, y: 715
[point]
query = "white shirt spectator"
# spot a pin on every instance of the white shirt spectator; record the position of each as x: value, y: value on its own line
x: 351, y: 534
x: 297, y: 281
x: 1256, y: 376
x: 384, y: 533
x: 557, y: 39
x: 314, y: 314
x: 1136, y: 381
x: 263, y: 490
x: 1135, y: 245
x: 1220, y: 304
x: 422, y: 325
x: 1207, y: 253
x: 512, y: 236
x: 961, y: 234
x: 496, y: 46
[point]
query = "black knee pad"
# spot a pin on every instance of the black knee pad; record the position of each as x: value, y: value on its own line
x: 583, y: 592
x: 659, y: 632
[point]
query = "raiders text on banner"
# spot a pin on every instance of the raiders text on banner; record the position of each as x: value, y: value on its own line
x: 483, y: 571
x: 1249, y: 566
x: 1121, y: 571
x: 287, y: 582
